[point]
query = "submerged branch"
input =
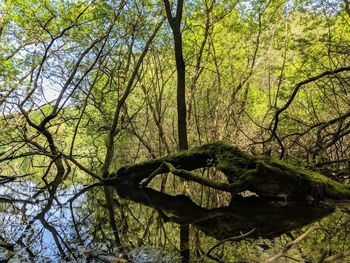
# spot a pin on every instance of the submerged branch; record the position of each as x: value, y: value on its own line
x: 235, y: 238
x: 341, y: 255
x: 296, y: 241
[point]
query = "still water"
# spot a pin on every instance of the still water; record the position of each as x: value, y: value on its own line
x: 71, y: 223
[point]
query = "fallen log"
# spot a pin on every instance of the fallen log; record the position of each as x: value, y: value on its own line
x: 266, y: 176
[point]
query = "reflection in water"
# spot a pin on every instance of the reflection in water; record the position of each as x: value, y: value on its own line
x: 144, y: 225
x: 269, y: 219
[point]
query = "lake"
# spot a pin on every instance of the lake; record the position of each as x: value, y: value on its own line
x: 71, y: 222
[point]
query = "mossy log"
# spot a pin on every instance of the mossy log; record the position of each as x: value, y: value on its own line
x: 267, y: 177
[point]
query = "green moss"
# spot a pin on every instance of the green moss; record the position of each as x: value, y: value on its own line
x: 330, y: 187
x: 266, y: 176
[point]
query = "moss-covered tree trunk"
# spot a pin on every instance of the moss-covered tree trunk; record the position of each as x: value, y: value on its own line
x: 267, y: 177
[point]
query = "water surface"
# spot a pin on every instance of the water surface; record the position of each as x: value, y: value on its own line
x: 64, y: 223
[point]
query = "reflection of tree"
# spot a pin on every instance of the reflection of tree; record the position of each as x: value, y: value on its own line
x: 111, y: 215
x: 29, y: 209
x: 269, y: 219
x: 242, y: 215
x: 149, y: 217
x: 52, y: 187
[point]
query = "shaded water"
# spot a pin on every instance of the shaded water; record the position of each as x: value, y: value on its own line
x: 143, y: 225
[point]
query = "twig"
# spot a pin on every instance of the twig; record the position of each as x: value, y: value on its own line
x: 147, y: 180
x: 188, y: 176
x: 207, y: 254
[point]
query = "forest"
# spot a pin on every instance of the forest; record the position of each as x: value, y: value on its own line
x: 175, y: 131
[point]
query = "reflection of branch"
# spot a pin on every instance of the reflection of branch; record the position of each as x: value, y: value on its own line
x: 8, y: 246
x: 12, y: 200
x: 207, y: 254
x: 75, y: 225
x: 7, y: 179
x: 84, y: 190
x: 296, y: 241
x: 340, y: 255
x: 111, y: 215
x: 103, y: 257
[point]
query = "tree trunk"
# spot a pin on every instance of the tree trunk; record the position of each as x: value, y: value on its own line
x: 181, y: 96
x: 175, y: 24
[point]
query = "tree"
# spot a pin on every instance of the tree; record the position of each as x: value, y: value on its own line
x: 175, y: 24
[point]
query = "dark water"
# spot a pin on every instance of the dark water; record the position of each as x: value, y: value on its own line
x: 143, y: 225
